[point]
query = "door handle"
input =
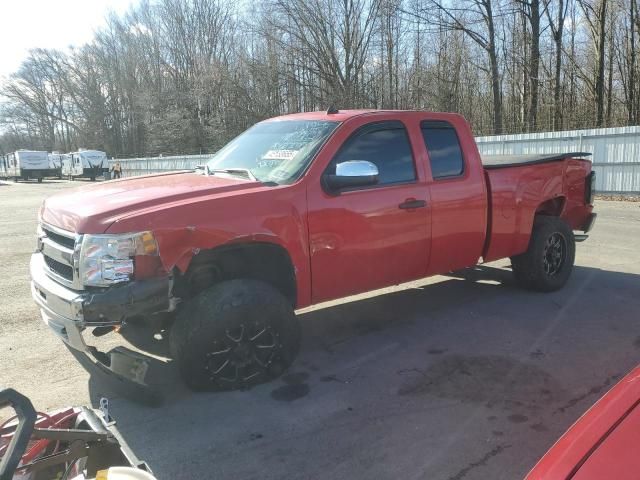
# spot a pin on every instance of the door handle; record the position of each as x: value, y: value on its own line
x: 412, y: 203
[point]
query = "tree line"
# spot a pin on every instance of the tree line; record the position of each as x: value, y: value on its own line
x: 185, y: 76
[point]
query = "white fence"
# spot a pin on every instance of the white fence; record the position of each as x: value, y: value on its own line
x: 132, y: 167
x: 615, y: 154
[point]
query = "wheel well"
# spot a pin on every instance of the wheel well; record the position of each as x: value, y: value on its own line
x: 267, y: 262
x: 552, y: 207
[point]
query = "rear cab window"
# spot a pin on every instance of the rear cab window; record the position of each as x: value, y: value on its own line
x: 443, y: 147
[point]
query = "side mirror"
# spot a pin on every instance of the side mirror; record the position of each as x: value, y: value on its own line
x: 354, y: 173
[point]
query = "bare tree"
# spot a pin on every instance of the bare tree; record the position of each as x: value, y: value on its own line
x: 557, y: 30
x: 184, y: 76
x: 595, y: 13
x: 532, y: 11
x: 335, y: 36
x: 477, y: 19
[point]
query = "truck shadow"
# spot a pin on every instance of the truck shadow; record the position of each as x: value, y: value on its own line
x: 325, y: 328
x: 404, y: 345
x: 334, y: 321
x: 333, y: 327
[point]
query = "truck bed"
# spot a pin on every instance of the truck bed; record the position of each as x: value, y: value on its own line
x: 504, y: 161
x: 552, y: 183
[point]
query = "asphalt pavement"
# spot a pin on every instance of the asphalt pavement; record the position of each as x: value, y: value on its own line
x: 458, y: 377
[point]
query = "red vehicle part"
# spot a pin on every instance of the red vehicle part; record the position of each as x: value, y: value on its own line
x: 60, y: 419
x: 68, y: 443
x: 602, y: 443
x: 556, y: 189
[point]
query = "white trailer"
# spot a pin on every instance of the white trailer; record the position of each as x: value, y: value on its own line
x: 3, y: 166
x: 85, y: 163
x: 26, y: 164
x: 72, y: 166
x: 66, y: 165
x: 55, y: 164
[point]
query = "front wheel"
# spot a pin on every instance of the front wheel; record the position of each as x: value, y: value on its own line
x: 548, y: 262
x: 234, y: 335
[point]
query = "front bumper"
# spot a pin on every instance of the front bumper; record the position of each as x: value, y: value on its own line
x: 68, y: 313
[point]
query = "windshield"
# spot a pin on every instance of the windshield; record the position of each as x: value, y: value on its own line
x: 277, y: 151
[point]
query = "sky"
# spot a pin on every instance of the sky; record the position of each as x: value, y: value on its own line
x: 28, y: 24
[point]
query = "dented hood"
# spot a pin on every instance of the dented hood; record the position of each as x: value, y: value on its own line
x: 93, y: 208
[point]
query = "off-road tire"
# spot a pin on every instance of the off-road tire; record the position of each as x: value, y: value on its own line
x: 548, y: 261
x: 227, y: 316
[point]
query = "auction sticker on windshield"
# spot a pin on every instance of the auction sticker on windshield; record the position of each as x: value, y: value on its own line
x: 280, y: 154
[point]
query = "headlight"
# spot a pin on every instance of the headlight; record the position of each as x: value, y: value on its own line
x: 108, y: 259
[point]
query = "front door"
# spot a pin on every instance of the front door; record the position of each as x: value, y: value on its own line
x: 370, y: 237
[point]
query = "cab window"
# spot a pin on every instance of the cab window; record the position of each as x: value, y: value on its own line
x: 443, y: 146
x: 386, y: 145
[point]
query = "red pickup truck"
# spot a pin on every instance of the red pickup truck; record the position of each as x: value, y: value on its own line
x: 297, y: 210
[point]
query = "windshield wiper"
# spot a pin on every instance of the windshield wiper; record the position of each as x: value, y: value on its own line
x: 243, y: 172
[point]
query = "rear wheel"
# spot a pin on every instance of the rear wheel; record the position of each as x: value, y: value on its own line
x: 548, y: 262
x: 234, y: 335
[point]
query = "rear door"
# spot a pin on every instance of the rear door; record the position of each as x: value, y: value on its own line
x: 369, y: 237
x: 458, y: 193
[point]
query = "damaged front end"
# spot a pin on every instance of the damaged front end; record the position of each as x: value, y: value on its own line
x: 70, y: 313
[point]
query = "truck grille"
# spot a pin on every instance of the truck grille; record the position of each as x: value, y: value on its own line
x: 59, y: 268
x: 61, y: 239
x: 57, y: 249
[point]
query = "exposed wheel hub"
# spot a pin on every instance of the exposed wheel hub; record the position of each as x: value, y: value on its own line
x: 555, y: 252
x: 242, y: 353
